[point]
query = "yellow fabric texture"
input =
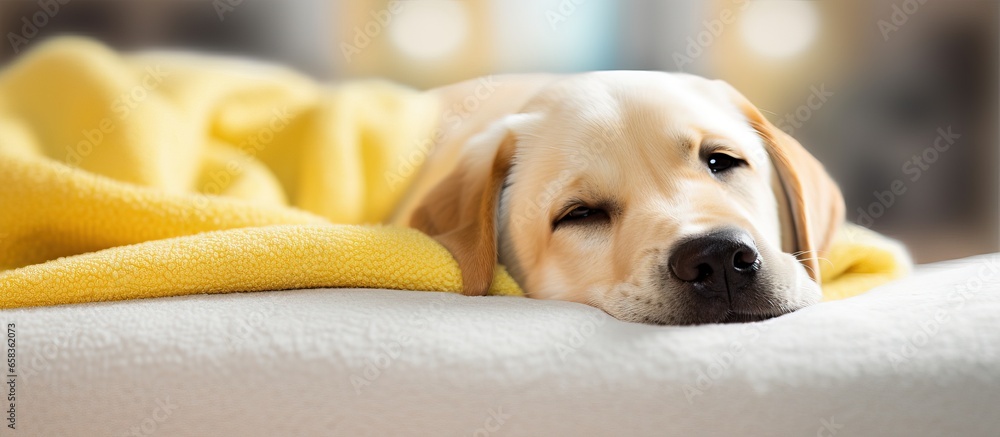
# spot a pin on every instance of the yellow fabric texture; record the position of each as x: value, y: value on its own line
x: 161, y: 175
x: 137, y: 176
x: 860, y: 259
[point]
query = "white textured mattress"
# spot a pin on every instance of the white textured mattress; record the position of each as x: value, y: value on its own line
x: 917, y: 357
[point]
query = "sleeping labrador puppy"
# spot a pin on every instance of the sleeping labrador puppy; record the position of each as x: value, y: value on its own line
x: 656, y: 197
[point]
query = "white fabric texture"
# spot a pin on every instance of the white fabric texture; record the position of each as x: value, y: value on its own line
x: 920, y: 356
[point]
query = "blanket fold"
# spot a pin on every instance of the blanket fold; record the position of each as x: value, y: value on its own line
x: 132, y: 176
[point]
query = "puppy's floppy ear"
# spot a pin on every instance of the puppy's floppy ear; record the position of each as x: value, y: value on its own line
x: 814, y: 202
x: 460, y: 212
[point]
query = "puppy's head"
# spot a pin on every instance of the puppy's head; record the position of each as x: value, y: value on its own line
x: 660, y: 198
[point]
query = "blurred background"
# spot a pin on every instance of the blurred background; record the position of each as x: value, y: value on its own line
x: 869, y: 86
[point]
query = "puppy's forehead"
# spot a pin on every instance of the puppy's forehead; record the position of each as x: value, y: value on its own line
x: 641, y: 106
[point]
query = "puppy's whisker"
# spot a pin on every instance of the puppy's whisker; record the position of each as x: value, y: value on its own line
x: 817, y: 258
x: 813, y: 271
x: 825, y: 259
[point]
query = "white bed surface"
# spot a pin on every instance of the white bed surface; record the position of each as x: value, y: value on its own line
x: 917, y: 357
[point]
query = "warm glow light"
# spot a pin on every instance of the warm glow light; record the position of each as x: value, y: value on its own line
x: 779, y: 29
x: 428, y: 30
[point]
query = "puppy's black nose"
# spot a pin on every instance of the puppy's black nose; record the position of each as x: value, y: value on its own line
x: 719, y: 263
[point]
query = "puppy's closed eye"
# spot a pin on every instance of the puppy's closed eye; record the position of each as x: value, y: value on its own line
x: 582, y: 215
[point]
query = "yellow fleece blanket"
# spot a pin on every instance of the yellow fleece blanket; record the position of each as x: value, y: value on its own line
x: 136, y: 176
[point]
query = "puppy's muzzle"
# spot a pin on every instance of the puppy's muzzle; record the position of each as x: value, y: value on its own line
x: 718, y: 264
